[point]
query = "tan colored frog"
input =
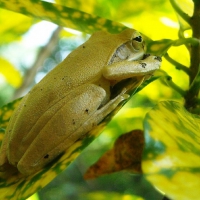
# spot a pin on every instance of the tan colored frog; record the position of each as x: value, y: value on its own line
x: 73, y: 98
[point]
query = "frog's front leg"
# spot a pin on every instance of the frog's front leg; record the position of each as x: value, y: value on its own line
x: 127, y: 69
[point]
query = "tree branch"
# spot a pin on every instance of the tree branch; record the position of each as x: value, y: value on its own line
x: 42, y: 55
x: 179, y: 11
x: 195, y: 49
x: 177, y: 64
x: 192, y: 93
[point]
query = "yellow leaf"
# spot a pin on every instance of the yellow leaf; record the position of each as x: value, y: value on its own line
x: 172, y: 150
x: 13, y: 26
x: 10, y: 73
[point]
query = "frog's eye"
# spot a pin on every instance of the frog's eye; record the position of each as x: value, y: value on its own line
x: 138, y: 38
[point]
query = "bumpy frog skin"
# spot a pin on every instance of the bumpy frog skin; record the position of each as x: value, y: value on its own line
x: 73, y: 98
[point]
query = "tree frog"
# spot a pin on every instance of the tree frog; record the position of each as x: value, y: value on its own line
x: 73, y: 98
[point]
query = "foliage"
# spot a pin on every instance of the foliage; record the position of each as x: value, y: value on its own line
x: 171, y: 128
x: 175, y: 157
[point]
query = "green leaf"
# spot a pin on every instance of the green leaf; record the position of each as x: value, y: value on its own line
x: 68, y: 17
x: 6, y: 111
x: 171, y: 159
x: 109, y: 195
x: 160, y: 47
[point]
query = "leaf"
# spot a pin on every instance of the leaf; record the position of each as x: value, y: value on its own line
x: 126, y: 154
x: 68, y: 17
x: 109, y: 195
x: 6, y: 111
x: 159, y: 47
x: 171, y: 159
x: 10, y: 29
x: 12, y: 76
x: 5, y: 114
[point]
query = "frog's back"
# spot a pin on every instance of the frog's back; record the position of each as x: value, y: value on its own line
x: 85, y: 63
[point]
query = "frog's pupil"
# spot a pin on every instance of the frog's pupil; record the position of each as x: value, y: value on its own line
x: 138, y: 39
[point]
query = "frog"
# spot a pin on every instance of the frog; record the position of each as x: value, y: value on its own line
x: 73, y: 98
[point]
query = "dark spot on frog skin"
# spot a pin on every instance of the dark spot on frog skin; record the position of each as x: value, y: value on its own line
x: 94, y: 124
x: 146, y: 56
x: 83, y: 46
x: 87, y: 110
x: 158, y: 58
x: 63, y: 77
x: 143, y: 65
x: 73, y: 122
x: 46, y: 156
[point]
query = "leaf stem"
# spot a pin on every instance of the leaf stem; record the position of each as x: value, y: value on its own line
x: 42, y: 55
x: 191, y: 41
x: 177, y: 64
x: 168, y: 81
x: 195, y: 49
x: 179, y: 11
x: 193, y: 91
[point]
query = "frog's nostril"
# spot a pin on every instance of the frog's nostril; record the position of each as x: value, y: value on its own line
x: 158, y: 58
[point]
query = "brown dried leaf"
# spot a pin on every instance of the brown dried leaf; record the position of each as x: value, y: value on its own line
x: 126, y: 154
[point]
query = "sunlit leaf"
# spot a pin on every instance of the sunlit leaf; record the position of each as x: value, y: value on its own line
x: 34, y: 197
x: 184, y: 10
x: 68, y: 17
x: 10, y: 73
x: 6, y: 111
x: 159, y: 47
x: 172, y: 150
x: 110, y: 196
x: 13, y: 26
x: 125, y: 155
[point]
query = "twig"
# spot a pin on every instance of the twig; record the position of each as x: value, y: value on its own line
x: 42, y: 55
x: 170, y: 83
x: 177, y: 64
x: 195, y: 49
x: 179, y: 11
